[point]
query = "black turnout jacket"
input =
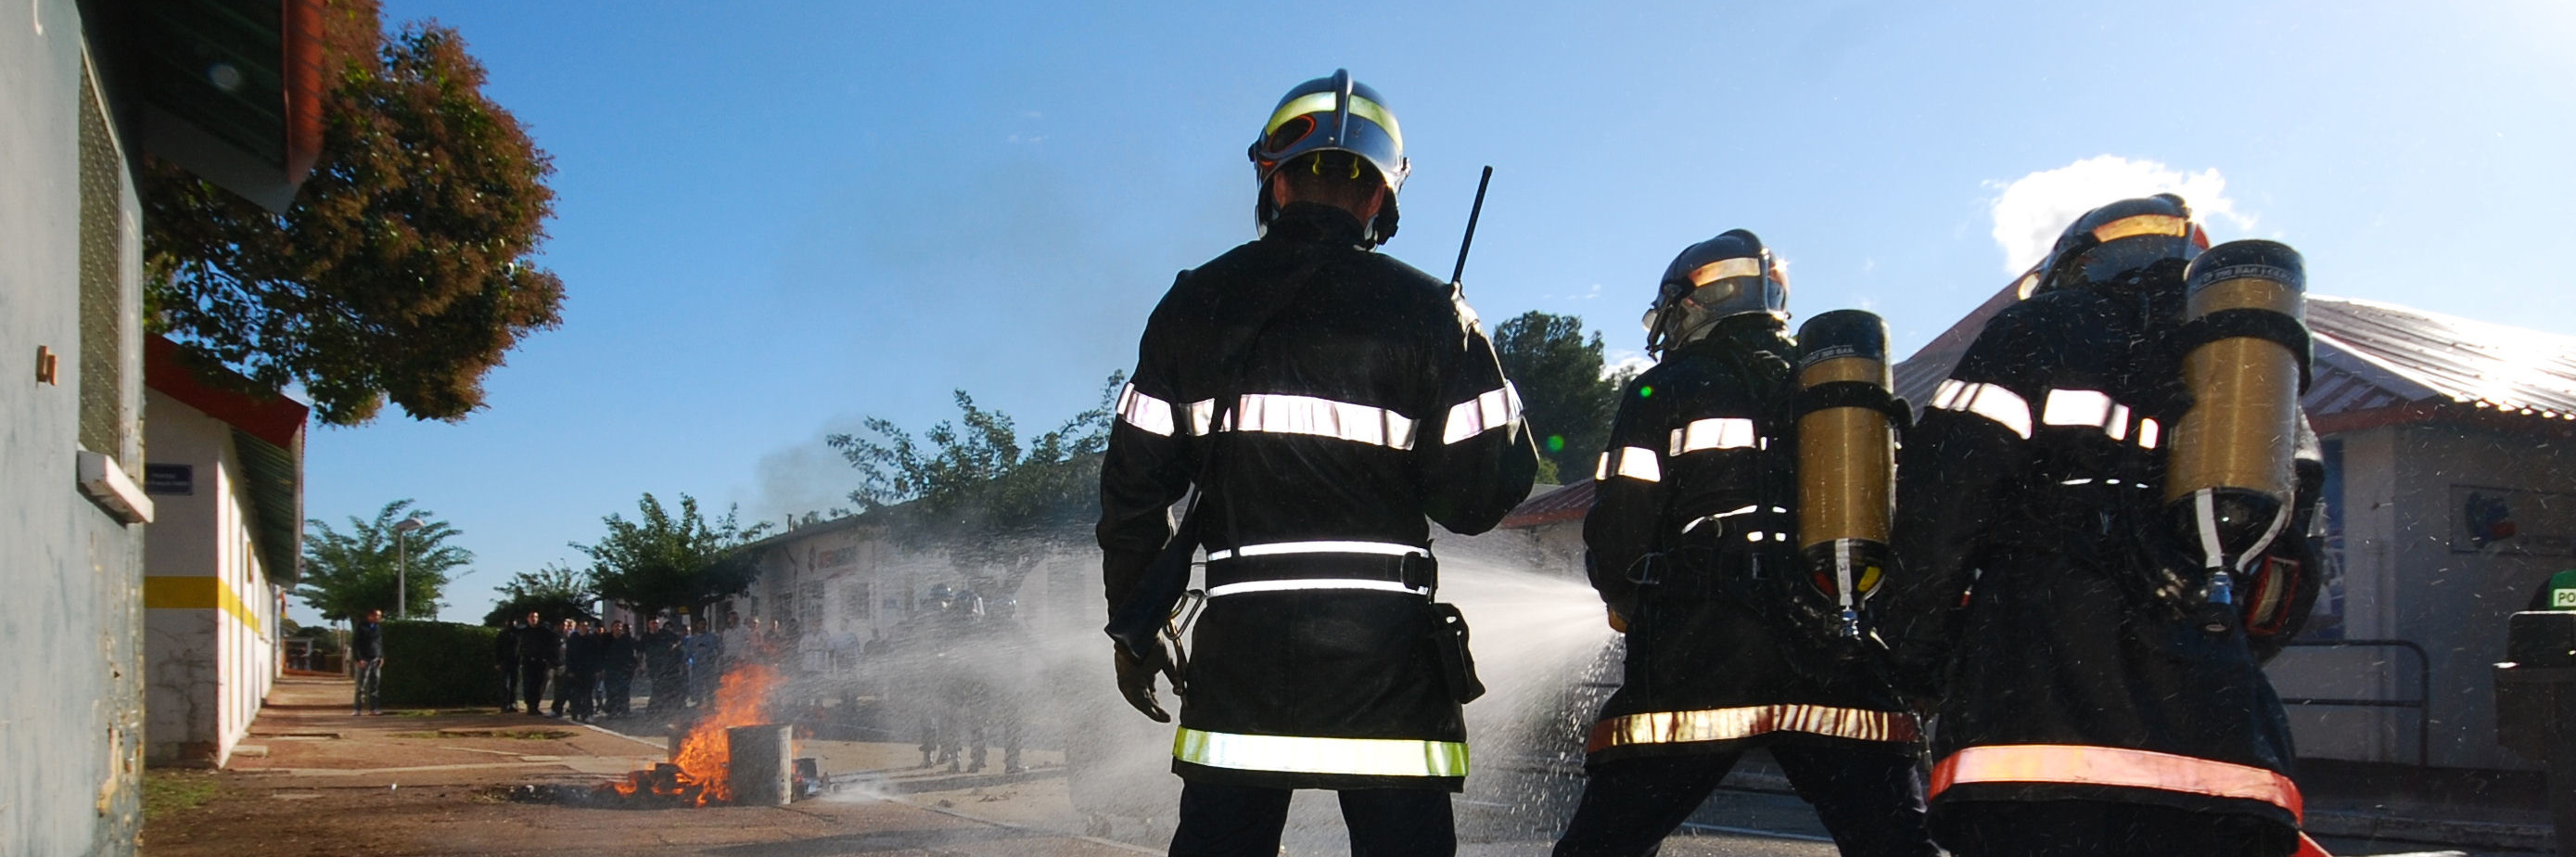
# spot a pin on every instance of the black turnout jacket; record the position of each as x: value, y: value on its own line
x: 1693, y: 541
x: 1345, y: 397
x: 2042, y: 600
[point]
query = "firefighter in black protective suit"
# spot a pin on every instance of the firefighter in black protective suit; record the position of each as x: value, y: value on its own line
x: 1324, y: 400
x: 2099, y: 687
x: 1691, y: 545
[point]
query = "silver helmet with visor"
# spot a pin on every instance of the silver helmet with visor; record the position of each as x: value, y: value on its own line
x: 1333, y: 114
x: 1729, y: 275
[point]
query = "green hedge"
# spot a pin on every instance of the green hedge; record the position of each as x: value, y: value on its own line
x: 439, y: 663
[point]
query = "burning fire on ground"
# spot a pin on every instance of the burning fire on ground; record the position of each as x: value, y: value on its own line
x: 696, y: 774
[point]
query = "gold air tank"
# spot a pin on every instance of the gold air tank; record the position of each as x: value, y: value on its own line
x: 2228, y: 473
x: 1846, y: 456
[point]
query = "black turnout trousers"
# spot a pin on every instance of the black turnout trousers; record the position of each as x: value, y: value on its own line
x: 1245, y: 821
x: 1868, y: 796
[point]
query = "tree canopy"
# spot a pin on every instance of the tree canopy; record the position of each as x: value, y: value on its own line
x: 554, y: 593
x: 349, y: 573
x: 404, y: 269
x: 1564, y: 395
x: 664, y: 561
x: 974, y: 488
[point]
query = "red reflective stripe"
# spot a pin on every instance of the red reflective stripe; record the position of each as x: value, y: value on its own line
x: 2309, y: 848
x: 2113, y: 766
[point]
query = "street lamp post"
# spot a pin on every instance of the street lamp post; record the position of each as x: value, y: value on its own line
x: 402, y: 563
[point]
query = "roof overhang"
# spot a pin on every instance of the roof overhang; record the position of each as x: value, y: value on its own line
x: 230, y: 90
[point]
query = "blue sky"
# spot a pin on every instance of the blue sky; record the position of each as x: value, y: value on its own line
x: 777, y: 218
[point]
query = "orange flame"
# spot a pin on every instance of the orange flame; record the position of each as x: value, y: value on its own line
x: 742, y: 699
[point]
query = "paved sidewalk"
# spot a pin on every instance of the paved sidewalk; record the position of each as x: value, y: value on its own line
x: 313, y: 780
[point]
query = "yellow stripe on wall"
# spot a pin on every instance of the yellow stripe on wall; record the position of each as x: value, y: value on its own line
x: 194, y: 592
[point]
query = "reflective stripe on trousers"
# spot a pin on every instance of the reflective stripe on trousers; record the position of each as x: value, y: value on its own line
x: 1368, y: 757
x: 1728, y: 724
x: 2114, y: 766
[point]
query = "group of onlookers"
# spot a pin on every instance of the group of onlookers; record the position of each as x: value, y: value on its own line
x: 592, y: 668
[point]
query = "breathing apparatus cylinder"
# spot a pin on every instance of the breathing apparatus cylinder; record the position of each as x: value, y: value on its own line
x: 2229, y: 471
x: 1846, y: 456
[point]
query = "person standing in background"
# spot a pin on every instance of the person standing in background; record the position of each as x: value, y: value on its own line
x: 539, y: 645
x: 617, y: 669
x: 706, y: 663
x: 367, y: 662
x: 664, y: 668
x: 565, y: 637
x: 583, y: 653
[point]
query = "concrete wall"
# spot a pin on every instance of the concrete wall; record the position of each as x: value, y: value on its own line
x: 71, y: 688
x: 2410, y: 574
x: 2368, y: 510
x: 2453, y: 599
x: 211, y: 628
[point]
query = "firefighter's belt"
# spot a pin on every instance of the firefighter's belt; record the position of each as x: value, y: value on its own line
x: 1729, y: 724
x: 1367, y: 757
x: 2113, y: 766
x: 1290, y: 566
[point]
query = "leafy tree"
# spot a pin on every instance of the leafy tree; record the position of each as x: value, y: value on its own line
x: 348, y: 574
x: 405, y: 267
x: 978, y: 491
x: 554, y: 592
x: 662, y: 561
x: 1564, y: 395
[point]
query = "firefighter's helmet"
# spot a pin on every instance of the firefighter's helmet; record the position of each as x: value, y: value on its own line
x: 2124, y: 243
x: 1333, y: 114
x: 1729, y: 275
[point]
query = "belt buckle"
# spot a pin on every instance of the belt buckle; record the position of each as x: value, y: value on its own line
x: 1418, y: 571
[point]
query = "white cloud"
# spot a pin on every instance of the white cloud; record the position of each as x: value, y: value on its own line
x: 2031, y: 210
x: 1625, y: 361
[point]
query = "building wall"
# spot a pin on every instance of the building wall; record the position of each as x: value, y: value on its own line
x: 2368, y: 512
x: 2452, y: 596
x: 2412, y: 573
x: 210, y: 632
x: 842, y: 586
x: 71, y: 688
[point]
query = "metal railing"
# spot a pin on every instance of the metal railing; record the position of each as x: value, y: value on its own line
x: 2423, y: 690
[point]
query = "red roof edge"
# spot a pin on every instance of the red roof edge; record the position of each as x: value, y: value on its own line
x: 222, y: 393
x: 1569, y: 503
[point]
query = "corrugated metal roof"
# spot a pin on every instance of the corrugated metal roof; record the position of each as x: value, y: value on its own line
x: 2427, y: 356
x: 2369, y: 355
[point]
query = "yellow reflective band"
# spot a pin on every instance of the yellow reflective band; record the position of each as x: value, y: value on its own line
x: 195, y: 592
x: 1729, y: 724
x: 1744, y: 266
x: 1322, y: 102
x: 1367, y: 757
x: 2143, y: 224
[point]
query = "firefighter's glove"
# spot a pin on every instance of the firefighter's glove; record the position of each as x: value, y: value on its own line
x: 1617, y: 622
x: 1136, y: 678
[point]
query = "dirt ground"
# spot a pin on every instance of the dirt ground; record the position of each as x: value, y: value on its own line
x: 313, y: 780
